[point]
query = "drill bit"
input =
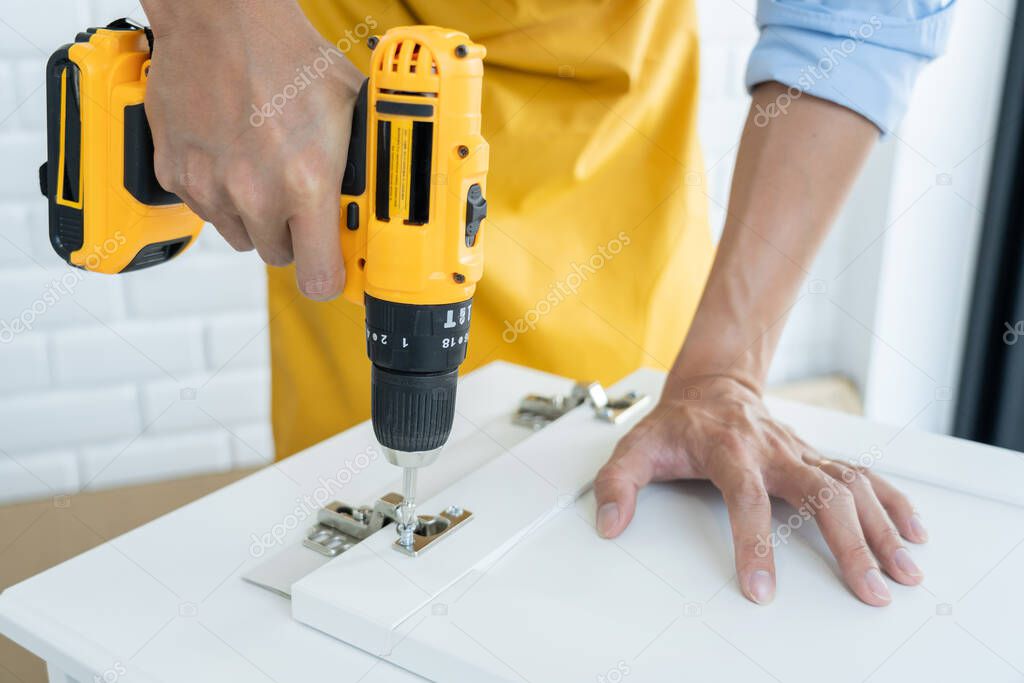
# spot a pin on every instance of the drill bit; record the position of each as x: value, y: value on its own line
x: 407, y: 510
x: 410, y: 462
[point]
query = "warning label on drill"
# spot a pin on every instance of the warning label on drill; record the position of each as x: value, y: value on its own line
x: 401, y: 168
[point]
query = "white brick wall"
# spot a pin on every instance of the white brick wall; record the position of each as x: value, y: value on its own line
x: 93, y: 393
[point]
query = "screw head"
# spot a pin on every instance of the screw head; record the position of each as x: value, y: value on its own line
x: 459, y: 278
x: 461, y: 51
x: 372, y: 42
x: 463, y: 151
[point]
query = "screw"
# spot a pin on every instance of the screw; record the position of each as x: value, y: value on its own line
x: 459, y: 278
x: 372, y: 41
x: 454, y: 511
x: 461, y: 51
x: 463, y: 151
x: 405, y: 534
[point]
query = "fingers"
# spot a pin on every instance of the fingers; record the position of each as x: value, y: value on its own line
x: 299, y: 221
x: 319, y: 266
x: 286, y: 210
x: 878, y: 528
x: 195, y: 190
x: 751, y: 520
x: 629, y: 469
x: 896, y: 504
x: 232, y: 230
x: 899, y: 508
x: 295, y: 215
x: 269, y: 235
x: 834, y: 509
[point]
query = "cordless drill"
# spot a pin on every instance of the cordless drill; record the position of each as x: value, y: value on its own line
x: 411, y: 208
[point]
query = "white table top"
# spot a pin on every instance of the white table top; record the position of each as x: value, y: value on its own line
x: 165, y: 602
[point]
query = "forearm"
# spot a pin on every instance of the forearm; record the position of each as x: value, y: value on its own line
x: 790, y: 180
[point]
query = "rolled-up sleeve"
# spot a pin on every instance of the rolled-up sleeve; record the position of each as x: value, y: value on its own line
x: 862, y: 54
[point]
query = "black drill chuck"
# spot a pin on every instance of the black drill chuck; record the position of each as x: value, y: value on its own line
x: 416, y: 351
x: 412, y: 411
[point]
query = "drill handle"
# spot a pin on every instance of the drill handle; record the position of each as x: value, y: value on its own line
x: 354, y: 182
x: 355, y: 200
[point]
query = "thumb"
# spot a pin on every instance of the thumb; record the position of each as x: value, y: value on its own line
x: 617, y: 483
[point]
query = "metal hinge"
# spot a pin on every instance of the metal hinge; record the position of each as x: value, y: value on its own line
x: 340, y: 526
x: 537, y: 411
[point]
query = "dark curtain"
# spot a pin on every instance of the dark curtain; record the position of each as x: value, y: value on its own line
x: 990, y: 403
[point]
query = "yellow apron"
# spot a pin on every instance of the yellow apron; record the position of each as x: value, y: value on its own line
x: 597, y: 243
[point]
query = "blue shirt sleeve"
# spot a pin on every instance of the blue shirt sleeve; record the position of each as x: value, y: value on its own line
x: 862, y: 54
